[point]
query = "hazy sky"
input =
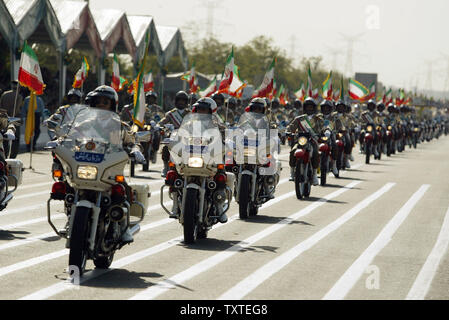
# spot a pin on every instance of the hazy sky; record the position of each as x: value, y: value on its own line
x: 399, y: 37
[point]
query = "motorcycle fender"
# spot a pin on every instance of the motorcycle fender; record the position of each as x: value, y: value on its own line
x: 324, y: 148
x: 340, y: 143
x: 244, y: 172
x: 389, y: 133
x: 302, y: 154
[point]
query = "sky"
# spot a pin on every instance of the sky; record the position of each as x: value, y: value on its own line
x: 404, y: 41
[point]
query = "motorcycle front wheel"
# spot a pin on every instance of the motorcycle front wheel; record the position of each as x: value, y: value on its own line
x: 78, y: 240
x: 323, y: 169
x: 299, y: 185
x: 244, y: 196
x: 190, y: 210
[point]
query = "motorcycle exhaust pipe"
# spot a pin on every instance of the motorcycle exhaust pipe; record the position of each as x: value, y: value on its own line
x: 135, y: 229
x: 270, y: 180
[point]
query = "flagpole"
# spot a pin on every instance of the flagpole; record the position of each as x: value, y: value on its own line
x: 13, y: 115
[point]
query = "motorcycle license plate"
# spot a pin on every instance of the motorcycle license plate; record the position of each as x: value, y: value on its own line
x: 89, y: 157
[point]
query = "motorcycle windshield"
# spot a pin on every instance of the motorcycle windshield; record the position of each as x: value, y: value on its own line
x: 252, y: 121
x: 68, y: 118
x: 199, y: 137
x: 101, y: 127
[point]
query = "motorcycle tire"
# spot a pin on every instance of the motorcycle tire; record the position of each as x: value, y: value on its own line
x: 132, y: 168
x: 368, y: 153
x: 253, y: 210
x: 299, y: 186
x: 190, y: 225
x: 78, y: 239
x: 202, y: 234
x: 244, y: 197
x: 323, y: 169
x: 308, y: 184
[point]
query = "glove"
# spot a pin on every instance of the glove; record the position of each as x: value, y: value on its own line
x: 9, y: 135
x: 139, y: 156
x: 52, y: 144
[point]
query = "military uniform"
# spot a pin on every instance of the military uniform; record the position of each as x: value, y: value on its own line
x: 4, y: 127
x: 226, y: 115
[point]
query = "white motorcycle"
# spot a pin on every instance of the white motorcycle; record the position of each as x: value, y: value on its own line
x: 99, y: 203
x: 200, y: 188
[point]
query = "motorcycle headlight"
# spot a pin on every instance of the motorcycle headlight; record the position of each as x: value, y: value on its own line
x: 390, y: 128
x: 416, y: 129
x: 87, y: 172
x: 324, y: 138
x: 249, y: 152
x: 369, y: 128
x: 302, y: 141
x: 195, y: 162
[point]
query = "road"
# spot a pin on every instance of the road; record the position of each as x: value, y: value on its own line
x: 380, y: 231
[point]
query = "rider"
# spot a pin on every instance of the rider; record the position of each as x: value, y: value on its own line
x: 10, y: 134
x: 329, y: 126
x: 310, y: 110
x: 344, y: 125
x: 370, y: 117
x: 174, y: 117
x: 74, y: 96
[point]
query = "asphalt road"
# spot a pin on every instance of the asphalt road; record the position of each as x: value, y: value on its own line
x: 379, y: 232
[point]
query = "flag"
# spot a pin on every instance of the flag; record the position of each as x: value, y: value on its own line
x: 29, y: 126
x: 139, y: 91
x: 81, y: 75
x: 356, y: 90
x: 190, y: 76
x: 29, y: 71
x: 401, y: 99
x: 228, y: 74
x: 210, y: 90
x: 115, y: 82
x: 267, y: 84
x: 327, y: 87
x: 336, y: 95
x: 148, y: 82
x: 123, y: 83
x: 309, y: 90
x: 300, y: 94
x: 372, y: 91
x: 237, y: 84
x: 315, y: 94
x: 388, y: 97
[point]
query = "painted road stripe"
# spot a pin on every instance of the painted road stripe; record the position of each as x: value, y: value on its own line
x: 424, y: 279
x: 171, y: 283
x: 355, y: 271
x: 265, y: 272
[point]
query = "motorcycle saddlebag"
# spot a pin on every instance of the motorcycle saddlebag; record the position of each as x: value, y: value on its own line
x: 142, y: 192
x: 15, y: 168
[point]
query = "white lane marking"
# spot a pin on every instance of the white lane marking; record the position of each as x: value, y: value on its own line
x: 29, y: 186
x: 256, y: 278
x: 60, y: 287
x: 424, y: 279
x: 171, y: 283
x: 32, y: 221
x: 355, y: 271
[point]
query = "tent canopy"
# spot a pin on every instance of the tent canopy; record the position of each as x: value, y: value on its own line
x: 172, y: 44
x: 140, y: 25
x: 75, y: 20
x: 7, y: 25
x: 115, y: 32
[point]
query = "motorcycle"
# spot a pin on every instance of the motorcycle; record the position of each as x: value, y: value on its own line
x: 324, y: 151
x: 303, y: 171
x: 198, y: 184
x: 98, y: 202
x: 368, y: 141
x: 10, y: 170
x: 257, y: 172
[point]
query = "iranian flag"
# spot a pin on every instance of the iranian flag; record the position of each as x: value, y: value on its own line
x: 228, y: 74
x: 266, y: 86
x: 388, y: 98
x: 115, y: 82
x: 300, y: 94
x: 336, y: 95
x: 148, y: 82
x: 237, y: 85
x: 274, y: 91
x: 139, y: 91
x: 191, y: 78
x: 81, y: 75
x: 327, y: 87
x: 357, y: 91
x: 29, y: 72
x: 401, y: 98
x: 309, y: 83
x: 372, y: 91
x: 210, y: 90
x: 315, y: 94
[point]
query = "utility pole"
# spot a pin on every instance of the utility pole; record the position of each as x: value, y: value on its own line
x: 350, y: 40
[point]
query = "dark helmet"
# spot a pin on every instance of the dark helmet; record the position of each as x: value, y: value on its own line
x: 232, y: 102
x: 151, y: 94
x: 275, y: 103
x: 103, y: 91
x: 391, y: 107
x: 326, y: 107
x: 75, y: 92
x: 267, y: 101
x: 218, y: 98
x: 181, y: 95
x: 193, y: 98
x: 371, y: 105
x: 297, y: 104
x: 380, y: 107
x: 348, y: 108
x: 403, y: 108
x: 340, y: 106
x: 205, y: 103
x: 309, y: 102
x: 257, y: 104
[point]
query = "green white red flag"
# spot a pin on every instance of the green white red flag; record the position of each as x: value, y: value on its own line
x: 301, y: 93
x: 210, y: 89
x: 372, y: 91
x: 266, y: 86
x: 327, y: 87
x: 115, y: 83
x: 237, y: 85
x: 309, y: 89
x: 29, y: 71
x: 228, y: 74
x: 356, y: 90
x: 81, y: 74
x: 148, y: 82
x: 191, y: 77
x: 139, y: 91
x: 388, y: 97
